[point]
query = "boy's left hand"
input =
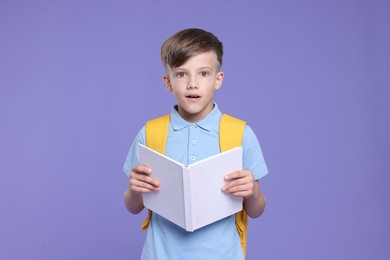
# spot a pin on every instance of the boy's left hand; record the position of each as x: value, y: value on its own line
x: 240, y: 183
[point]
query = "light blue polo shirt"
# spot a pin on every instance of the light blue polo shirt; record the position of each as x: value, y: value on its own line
x: 188, y: 143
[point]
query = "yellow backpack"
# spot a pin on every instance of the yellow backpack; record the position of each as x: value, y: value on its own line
x: 231, y: 131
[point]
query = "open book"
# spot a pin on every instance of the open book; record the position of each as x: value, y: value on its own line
x: 191, y: 196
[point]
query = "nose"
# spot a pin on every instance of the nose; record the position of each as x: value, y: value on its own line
x: 192, y: 83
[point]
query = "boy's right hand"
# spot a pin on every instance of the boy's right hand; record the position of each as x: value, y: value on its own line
x: 141, y: 181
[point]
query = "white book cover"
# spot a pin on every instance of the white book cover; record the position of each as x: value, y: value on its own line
x: 191, y: 196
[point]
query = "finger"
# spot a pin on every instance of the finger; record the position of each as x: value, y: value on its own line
x: 238, y: 182
x: 144, y: 179
x: 237, y: 175
x: 142, y: 170
x: 243, y: 194
x: 141, y: 186
x: 234, y: 175
x: 244, y: 187
x: 142, y: 190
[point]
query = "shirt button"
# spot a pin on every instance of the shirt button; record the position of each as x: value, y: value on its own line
x: 193, y: 126
x: 192, y: 158
x: 193, y: 141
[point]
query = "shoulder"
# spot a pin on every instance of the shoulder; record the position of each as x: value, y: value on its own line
x: 248, y: 132
x: 140, y: 137
x: 253, y: 154
x: 160, y: 118
x: 232, y: 124
x: 233, y: 119
x: 132, y: 158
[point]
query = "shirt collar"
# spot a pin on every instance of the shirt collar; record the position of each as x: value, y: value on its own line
x: 210, y: 122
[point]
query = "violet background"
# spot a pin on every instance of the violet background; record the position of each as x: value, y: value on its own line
x: 79, y: 78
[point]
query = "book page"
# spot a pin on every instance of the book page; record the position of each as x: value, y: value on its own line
x: 169, y: 201
x: 209, y: 202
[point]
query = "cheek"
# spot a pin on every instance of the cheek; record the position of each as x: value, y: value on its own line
x: 176, y: 92
x: 177, y: 84
x: 213, y: 82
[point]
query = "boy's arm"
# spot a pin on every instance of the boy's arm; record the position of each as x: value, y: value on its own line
x: 140, y: 182
x: 254, y: 205
x: 242, y: 184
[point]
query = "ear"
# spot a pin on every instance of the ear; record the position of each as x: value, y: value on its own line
x: 218, y: 80
x: 167, y: 82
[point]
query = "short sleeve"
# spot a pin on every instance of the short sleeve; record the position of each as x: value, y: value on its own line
x: 132, y: 158
x: 253, y: 159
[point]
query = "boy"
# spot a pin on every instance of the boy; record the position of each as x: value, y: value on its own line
x: 192, y: 60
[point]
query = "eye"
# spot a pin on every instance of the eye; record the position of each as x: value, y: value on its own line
x: 204, y: 73
x: 179, y: 74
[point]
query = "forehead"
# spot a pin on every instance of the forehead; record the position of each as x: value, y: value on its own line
x: 203, y: 59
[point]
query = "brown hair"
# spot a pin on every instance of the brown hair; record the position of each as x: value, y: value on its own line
x: 177, y: 49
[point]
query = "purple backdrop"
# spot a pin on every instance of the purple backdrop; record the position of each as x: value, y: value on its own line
x: 79, y: 78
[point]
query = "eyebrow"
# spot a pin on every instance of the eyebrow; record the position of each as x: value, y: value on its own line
x: 201, y: 68
x: 209, y: 68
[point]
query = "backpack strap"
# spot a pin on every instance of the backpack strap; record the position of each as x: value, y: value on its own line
x: 156, y: 133
x: 231, y: 132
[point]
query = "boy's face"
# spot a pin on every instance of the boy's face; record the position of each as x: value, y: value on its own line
x: 193, y: 85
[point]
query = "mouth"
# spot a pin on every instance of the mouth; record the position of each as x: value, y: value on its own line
x: 193, y: 97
